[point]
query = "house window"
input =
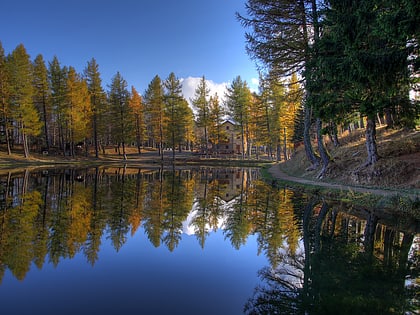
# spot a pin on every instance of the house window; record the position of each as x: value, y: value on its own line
x: 227, y: 127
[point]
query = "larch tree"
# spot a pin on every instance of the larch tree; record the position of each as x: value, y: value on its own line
x: 216, y: 113
x: 293, y: 101
x: 154, y: 101
x: 238, y: 102
x: 138, y: 116
x: 23, y: 110
x: 200, y: 102
x: 174, y: 111
x: 279, y: 39
x: 97, y: 99
x: 42, y: 96
x: 4, y: 99
x: 58, y: 80
x: 79, y: 111
x: 120, y: 112
x: 277, y: 99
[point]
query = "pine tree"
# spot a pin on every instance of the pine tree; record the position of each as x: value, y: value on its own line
x: 216, y: 114
x: 174, y: 101
x: 97, y: 99
x: 58, y: 81
x: 80, y: 111
x: 154, y: 100
x: 120, y: 111
x: 137, y: 113
x: 282, y: 32
x: 4, y: 99
x: 23, y: 110
x: 238, y: 102
x: 42, y: 96
x: 201, y: 104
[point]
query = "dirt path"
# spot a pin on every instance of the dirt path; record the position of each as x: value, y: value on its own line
x: 275, y: 171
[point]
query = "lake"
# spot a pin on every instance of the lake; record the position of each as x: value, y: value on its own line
x: 125, y: 240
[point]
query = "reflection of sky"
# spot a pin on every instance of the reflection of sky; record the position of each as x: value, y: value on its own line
x: 141, y: 279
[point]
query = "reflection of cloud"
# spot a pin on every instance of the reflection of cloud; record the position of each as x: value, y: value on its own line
x: 190, y: 84
x: 188, y: 226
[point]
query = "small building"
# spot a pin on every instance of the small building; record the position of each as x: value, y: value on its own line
x: 231, y: 139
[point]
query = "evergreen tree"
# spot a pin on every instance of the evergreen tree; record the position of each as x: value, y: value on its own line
x: 137, y: 114
x: 201, y: 104
x: 216, y: 114
x: 238, y: 102
x: 4, y: 100
x: 97, y: 100
x: 371, y: 64
x: 174, y: 112
x: 120, y: 112
x: 80, y: 111
x: 42, y: 96
x: 154, y: 100
x: 282, y: 32
x: 58, y: 80
x: 23, y: 110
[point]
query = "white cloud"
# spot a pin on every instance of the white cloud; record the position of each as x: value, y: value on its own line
x: 190, y: 84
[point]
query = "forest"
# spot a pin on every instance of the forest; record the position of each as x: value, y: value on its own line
x: 325, y: 66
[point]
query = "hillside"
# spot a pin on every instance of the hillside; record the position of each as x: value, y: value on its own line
x: 398, y: 166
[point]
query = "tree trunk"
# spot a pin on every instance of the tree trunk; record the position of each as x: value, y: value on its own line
x: 371, y: 147
x: 325, y: 158
x: 95, y: 134
x: 313, y: 159
x: 25, y: 145
x: 285, y: 144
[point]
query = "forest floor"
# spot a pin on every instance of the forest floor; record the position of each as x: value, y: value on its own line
x: 396, y: 172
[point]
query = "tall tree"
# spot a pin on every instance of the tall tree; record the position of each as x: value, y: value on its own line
x: 280, y: 40
x: 4, y: 99
x: 97, y: 99
x: 154, y: 100
x: 42, y: 96
x: 238, y: 102
x: 174, y: 112
x: 201, y: 104
x: 374, y: 55
x: 23, y: 110
x: 137, y: 114
x: 120, y: 111
x: 58, y: 80
x: 79, y: 111
x: 216, y: 115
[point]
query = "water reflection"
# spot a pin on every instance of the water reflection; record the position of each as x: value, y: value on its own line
x: 324, y: 257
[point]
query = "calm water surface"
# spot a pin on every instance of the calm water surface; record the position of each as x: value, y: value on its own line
x: 198, y: 241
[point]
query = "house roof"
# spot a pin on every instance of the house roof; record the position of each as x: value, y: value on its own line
x: 229, y: 120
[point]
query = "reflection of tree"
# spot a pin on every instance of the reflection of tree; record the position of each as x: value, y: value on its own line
x: 17, y: 246
x: 207, y: 205
x: 153, y: 211
x: 337, y: 274
x: 238, y: 218
x: 179, y: 204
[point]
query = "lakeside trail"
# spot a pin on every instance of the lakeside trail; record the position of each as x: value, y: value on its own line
x: 277, y: 174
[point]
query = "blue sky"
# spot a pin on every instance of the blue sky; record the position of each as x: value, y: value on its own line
x: 138, y: 38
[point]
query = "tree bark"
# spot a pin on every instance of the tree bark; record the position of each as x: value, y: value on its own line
x: 325, y: 158
x: 313, y: 159
x: 372, y: 152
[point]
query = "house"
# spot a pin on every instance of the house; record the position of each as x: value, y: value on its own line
x: 231, y: 139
